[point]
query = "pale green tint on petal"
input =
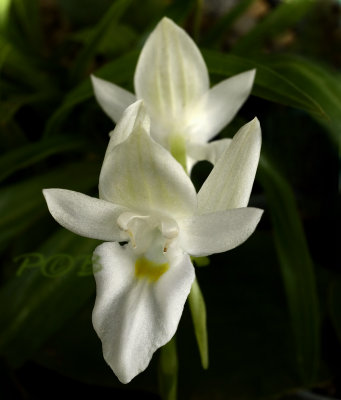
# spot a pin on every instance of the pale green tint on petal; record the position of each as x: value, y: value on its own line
x: 202, y: 235
x: 198, y: 311
x: 143, y: 176
x: 222, y: 102
x: 84, y: 215
x: 112, y: 98
x: 177, y: 148
x: 134, y: 317
x: 170, y: 76
x: 230, y: 182
x: 205, y: 151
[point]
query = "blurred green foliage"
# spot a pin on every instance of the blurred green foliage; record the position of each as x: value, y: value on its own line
x: 273, y: 304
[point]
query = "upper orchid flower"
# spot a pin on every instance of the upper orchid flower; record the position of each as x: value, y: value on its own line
x: 172, y: 79
x: 147, y: 200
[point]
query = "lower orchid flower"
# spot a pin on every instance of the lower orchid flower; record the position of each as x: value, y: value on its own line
x: 147, y: 200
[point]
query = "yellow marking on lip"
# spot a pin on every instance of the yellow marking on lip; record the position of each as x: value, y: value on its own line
x: 149, y: 269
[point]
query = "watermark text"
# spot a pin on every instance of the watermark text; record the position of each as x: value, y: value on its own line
x: 57, y: 265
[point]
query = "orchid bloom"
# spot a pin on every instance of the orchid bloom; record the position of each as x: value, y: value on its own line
x: 148, y: 200
x: 172, y: 79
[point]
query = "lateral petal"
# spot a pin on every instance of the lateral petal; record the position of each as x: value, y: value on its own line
x: 143, y: 176
x: 222, y: 102
x: 206, y: 234
x: 112, y: 98
x: 133, y: 316
x: 230, y: 182
x: 170, y: 76
x: 84, y: 215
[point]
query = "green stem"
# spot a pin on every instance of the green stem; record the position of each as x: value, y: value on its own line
x: 168, y: 371
x: 198, y: 311
x: 177, y: 145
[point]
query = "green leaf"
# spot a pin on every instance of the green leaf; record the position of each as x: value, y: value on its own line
x: 22, y: 204
x: 50, y: 288
x: 22, y: 67
x: 214, y: 35
x: 28, y: 12
x: 269, y: 84
x: 198, y: 310
x: 296, y: 267
x: 34, y: 152
x: 287, y: 14
x: 4, y: 13
x: 110, y: 18
x: 125, y: 38
x: 178, y: 11
x: 12, y: 105
x: 119, y: 71
x: 319, y: 82
x: 168, y: 371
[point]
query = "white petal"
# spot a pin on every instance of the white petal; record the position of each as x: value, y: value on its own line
x: 144, y: 177
x: 205, y: 151
x: 134, y: 117
x: 112, y: 98
x: 222, y: 102
x: 84, y: 215
x: 170, y: 76
x: 132, y: 316
x: 206, y: 234
x: 230, y: 182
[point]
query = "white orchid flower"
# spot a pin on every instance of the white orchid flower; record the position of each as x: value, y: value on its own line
x: 172, y: 78
x: 148, y: 200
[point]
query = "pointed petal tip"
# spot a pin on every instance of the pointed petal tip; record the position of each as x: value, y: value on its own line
x: 252, y: 73
x: 112, y: 98
x: 47, y: 193
x: 95, y: 80
x: 141, y: 118
x: 253, y: 125
x: 166, y: 20
x: 253, y: 130
x: 255, y: 121
x: 139, y: 105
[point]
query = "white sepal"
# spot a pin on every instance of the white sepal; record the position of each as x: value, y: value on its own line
x: 84, y: 215
x: 230, y: 182
x: 170, y: 75
x: 222, y: 102
x: 112, y: 98
x: 206, y: 234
